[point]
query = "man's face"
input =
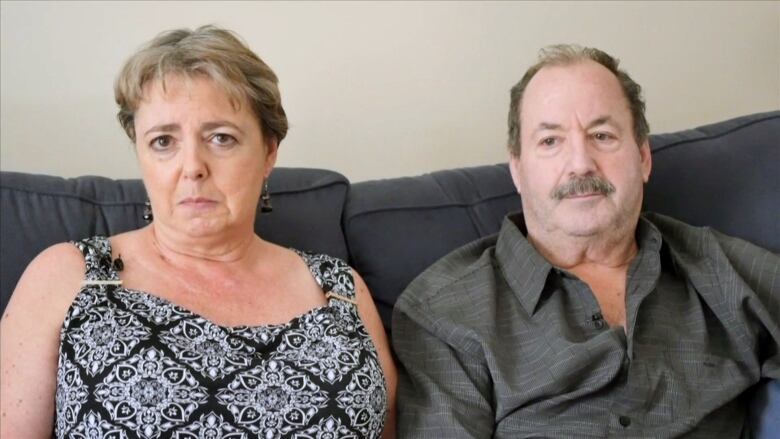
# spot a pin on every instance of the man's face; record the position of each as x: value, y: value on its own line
x: 580, y: 171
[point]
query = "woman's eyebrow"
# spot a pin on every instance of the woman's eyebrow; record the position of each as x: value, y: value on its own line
x: 220, y: 123
x: 164, y: 128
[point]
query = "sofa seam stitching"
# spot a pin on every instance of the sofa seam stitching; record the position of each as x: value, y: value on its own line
x: 123, y: 203
x: 713, y: 136
x: 442, y: 206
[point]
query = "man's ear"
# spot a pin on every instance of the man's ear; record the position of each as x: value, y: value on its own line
x: 646, y: 160
x: 515, y: 170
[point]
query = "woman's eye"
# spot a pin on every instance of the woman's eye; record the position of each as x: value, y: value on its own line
x: 223, y: 139
x: 161, y: 142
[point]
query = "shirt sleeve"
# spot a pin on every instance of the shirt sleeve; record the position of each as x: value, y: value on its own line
x: 760, y: 270
x: 443, y: 391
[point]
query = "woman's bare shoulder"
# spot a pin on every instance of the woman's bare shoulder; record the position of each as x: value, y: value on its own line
x: 61, y: 261
x: 29, y: 339
x: 50, y: 281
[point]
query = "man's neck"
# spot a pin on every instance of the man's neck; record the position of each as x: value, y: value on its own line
x: 612, y: 249
x: 600, y: 260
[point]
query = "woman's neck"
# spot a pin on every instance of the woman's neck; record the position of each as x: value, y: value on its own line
x: 179, y: 249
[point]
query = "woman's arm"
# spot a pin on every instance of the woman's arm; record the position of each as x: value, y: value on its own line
x: 29, y: 341
x: 373, y: 324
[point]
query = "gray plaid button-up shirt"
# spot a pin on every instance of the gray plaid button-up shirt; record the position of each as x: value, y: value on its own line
x: 495, y: 342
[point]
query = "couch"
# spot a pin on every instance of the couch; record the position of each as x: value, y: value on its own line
x: 723, y: 175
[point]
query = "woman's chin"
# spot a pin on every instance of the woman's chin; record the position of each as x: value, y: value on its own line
x: 203, y: 227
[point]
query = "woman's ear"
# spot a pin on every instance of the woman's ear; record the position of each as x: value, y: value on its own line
x: 271, y: 149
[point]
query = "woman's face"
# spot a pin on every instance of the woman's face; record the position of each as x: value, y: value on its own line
x: 203, y: 161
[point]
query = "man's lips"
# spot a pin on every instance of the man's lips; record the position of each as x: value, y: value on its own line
x: 583, y: 196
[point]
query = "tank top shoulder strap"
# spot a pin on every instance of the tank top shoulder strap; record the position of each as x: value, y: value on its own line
x: 97, y: 256
x: 333, y: 275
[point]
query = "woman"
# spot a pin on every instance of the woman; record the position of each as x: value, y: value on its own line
x: 194, y: 326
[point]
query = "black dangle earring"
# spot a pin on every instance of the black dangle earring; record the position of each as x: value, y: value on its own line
x: 148, y: 217
x: 265, y: 200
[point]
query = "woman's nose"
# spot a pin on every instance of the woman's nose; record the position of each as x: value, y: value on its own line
x: 194, y: 166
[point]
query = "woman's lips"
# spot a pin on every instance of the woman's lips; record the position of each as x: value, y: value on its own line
x: 198, y: 203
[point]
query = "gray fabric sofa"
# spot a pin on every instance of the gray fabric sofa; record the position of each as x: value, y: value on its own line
x: 723, y: 175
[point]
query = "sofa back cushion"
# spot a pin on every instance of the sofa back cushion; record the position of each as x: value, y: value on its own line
x: 37, y: 211
x: 723, y: 175
x: 395, y: 228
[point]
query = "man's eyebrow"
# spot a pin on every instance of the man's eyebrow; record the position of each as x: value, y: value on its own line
x: 163, y: 128
x: 544, y: 126
x: 601, y: 121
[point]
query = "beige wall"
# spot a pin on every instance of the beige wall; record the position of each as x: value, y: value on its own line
x: 381, y: 89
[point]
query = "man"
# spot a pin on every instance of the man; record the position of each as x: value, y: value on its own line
x: 583, y: 318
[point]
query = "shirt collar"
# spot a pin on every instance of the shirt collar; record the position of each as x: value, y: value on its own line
x: 648, y: 237
x: 526, y: 271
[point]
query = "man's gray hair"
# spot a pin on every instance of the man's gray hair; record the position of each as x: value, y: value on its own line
x: 567, y: 54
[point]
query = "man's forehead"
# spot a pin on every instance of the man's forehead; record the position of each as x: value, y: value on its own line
x: 586, y: 123
x: 586, y: 70
x: 586, y: 88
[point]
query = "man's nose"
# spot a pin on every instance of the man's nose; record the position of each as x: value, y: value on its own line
x: 581, y: 160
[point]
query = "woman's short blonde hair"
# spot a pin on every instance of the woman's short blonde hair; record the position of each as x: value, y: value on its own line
x: 207, y: 51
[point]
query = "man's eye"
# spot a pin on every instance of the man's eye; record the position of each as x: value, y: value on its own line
x: 548, y: 141
x: 161, y: 142
x: 601, y: 137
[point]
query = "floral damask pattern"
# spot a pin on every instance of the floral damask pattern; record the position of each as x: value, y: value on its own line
x: 273, y: 399
x: 105, y: 335
x: 210, y: 426
x: 152, y: 308
x: 150, y: 394
x: 329, y: 428
x: 95, y: 427
x: 135, y: 365
x: 331, y: 274
x: 207, y: 348
x: 70, y: 396
x: 321, y: 349
x: 265, y: 335
x: 364, y: 400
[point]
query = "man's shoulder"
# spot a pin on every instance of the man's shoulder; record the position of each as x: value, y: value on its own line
x: 725, y: 255
x: 441, y: 281
x: 701, y: 241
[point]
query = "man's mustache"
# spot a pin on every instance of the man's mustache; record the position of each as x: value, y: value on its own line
x: 589, y: 184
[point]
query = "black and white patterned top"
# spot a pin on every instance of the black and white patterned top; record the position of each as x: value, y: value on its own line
x: 133, y: 365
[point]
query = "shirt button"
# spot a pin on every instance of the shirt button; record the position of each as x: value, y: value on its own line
x: 625, y: 421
